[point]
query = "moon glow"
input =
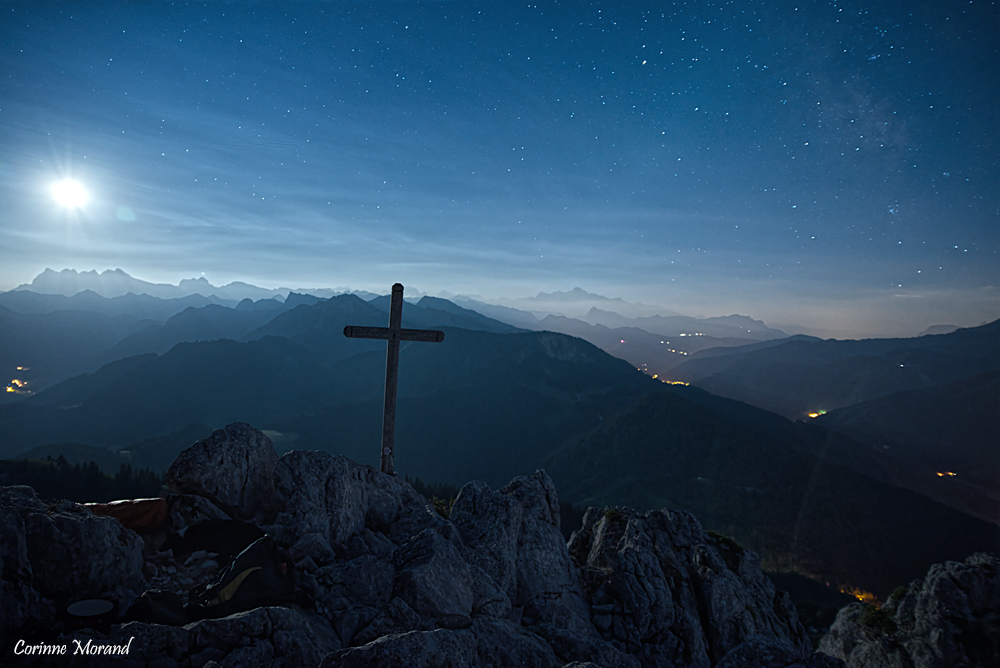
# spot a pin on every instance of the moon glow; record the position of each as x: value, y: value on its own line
x: 69, y: 193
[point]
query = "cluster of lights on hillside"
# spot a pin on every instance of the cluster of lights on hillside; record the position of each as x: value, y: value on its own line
x: 816, y: 414
x: 18, y: 386
x: 656, y: 376
x: 946, y: 474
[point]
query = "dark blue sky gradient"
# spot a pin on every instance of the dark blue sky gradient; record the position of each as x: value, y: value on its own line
x: 832, y: 164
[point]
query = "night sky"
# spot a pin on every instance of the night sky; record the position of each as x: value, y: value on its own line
x: 830, y: 164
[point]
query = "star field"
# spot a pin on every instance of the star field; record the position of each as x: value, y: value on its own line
x: 832, y: 164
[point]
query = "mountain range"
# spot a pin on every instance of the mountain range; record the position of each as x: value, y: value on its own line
x: 117, y: 283
x: 137, y: 378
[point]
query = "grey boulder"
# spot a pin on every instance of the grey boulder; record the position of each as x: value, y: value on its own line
x: 233, y: 468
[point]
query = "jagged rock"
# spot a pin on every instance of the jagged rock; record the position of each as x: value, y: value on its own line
x: 547, y: 584
x: 663, y: 592
x: 392, y: 507
x: 317, y: 495
x: 574, y: 648
x: 338, y: 499
x: 950, y: 618
x: 370, y: 542
x: 284, y: 636
x: 397, y: 617
x: 364, y: 581
x: 314, y: 547
x: 489, y: 522
x: 435, y: 581
x: 233, y: 468
x: 440, y: 648
x: 502, y: 643
x: 764, y: 652
x: 71, y: 553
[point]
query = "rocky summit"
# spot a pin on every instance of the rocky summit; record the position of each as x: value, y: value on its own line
x: 949, y: 618
x: 340, y: 565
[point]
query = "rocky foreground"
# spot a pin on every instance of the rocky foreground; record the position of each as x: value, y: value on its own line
x: 950, y: 618
x: 381, y: 579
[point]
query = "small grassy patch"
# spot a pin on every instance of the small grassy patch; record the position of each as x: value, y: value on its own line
x: 877, y: 619
x: 730, y: 550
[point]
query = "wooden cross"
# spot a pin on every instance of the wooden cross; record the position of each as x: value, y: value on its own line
x: 393, y: 334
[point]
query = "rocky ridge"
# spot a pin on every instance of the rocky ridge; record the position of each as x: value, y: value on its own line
x: 949, y: 618
x: 383, y: 580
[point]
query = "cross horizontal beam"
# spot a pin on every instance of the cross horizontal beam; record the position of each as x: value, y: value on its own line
x: 425, y: 335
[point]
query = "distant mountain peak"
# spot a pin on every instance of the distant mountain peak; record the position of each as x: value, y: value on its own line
x: 938, y: 329
x: 201, y: 280
x: 575, y: 295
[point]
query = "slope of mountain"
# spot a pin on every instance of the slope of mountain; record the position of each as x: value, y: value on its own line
x: 759, y: 478
x: 650, y: 353
x: 438, y: 310
x: 511, y: 316
x: 798, y: 377
x: 939, y: 441
x: 731, y: 326
x: 655, y: 354
x: 42, y: 349
x: 207, y: 323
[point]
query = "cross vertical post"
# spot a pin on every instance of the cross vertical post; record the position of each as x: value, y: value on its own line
x: 391, y: 377
x: 393, y: 334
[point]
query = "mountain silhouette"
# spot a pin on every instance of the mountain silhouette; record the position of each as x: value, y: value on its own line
x: 802, y: 375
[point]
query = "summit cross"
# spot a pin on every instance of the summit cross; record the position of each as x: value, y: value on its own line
x: 392, y: 334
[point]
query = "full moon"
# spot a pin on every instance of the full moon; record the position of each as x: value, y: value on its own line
x: 69, y: 193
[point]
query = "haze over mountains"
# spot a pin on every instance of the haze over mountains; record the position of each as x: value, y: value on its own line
x: 141, y: 377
